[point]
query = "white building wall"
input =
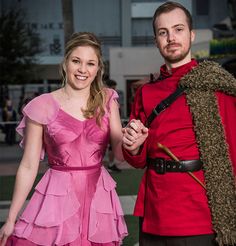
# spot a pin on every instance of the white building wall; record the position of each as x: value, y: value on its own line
x: 132, y: 64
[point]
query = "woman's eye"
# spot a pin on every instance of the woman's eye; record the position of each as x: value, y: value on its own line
x: 91, y: 64
x: 75, y: 61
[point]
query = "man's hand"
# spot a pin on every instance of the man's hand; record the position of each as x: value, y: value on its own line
x: 134, y: 135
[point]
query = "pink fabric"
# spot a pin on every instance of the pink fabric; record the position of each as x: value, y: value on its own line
x: 78, y: 207
x: 39, y: 111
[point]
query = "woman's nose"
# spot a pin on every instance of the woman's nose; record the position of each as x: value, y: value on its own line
x: 82, y: 68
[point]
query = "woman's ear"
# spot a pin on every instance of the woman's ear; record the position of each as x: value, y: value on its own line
x: 64, y: 66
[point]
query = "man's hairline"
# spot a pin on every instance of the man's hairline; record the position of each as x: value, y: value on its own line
x: 169, y: 12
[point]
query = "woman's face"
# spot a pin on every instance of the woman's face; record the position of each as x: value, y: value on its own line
x: 82, y: 67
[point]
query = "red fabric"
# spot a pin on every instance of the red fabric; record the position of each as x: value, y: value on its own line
x: 174, y: 204
x: 227, y: 108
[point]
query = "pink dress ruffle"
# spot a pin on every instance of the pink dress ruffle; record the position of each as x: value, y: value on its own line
x: 39, y: 111
x: 71, y: 207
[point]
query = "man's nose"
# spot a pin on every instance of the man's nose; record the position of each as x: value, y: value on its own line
x: 171, y: 37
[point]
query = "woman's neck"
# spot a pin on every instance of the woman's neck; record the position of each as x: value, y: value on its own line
x: 72, y: 94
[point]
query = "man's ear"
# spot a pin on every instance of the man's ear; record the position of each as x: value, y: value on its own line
x: 192, y: 36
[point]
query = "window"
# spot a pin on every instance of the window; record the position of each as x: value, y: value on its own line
x: 202, y: 7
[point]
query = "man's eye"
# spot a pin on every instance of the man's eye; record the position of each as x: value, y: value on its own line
x: 162, y: 33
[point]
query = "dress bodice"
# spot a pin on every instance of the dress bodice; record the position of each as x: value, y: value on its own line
x: 71, y: 142
x: 67, y: 140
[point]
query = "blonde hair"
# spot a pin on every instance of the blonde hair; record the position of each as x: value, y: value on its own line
x: 96, y: 101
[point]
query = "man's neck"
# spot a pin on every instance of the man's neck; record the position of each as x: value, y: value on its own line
x: 171, y: 65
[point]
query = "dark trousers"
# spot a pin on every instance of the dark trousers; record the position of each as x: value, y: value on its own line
x: 146, y: 239
x: 10, y: 131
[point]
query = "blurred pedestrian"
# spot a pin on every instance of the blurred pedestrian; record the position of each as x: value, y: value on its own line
x: 24, y: 100
x: 9, y: 118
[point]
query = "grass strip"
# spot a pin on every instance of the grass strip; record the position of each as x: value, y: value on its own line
x: 127, y: 183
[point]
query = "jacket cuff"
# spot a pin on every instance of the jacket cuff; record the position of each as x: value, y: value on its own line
x: 139, y: 160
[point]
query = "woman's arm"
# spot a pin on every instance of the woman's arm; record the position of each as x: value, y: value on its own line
x: 25, y: 176
x: 116, y: 130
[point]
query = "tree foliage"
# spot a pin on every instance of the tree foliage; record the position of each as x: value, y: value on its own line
x: 18, y: 46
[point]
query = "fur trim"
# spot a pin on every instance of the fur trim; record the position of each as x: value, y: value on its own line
x: 210, y: 76
x: 200, y: 84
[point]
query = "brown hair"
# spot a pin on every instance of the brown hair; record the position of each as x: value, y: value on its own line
x: 96, y: 101
x: 166, y: 8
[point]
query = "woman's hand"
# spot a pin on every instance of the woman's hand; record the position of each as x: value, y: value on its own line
x: 5, y: 232
x: 134, y: 135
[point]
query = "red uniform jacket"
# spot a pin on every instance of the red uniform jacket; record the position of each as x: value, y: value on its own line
x: 174, y: 204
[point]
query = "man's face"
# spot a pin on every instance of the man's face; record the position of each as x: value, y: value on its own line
x: 173, y: 37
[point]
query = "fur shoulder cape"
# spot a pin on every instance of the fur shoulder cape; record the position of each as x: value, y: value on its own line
x: 201, y: 83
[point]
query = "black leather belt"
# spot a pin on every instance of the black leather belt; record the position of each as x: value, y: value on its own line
x: 162, y: 166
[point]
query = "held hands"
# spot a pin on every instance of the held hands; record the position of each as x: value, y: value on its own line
x: 5, y: 232
x: 134, y: 135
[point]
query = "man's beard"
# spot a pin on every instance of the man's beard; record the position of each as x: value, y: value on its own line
x: 176, y: 58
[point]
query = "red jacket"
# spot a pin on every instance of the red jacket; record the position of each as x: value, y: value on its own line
x: 174, y: 204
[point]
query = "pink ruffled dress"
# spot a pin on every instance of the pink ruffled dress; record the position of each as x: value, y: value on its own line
x: 75, y: 202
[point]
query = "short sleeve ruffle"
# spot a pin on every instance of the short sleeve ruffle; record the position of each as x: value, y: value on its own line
x: 43, y: 110
x: 111, y: 96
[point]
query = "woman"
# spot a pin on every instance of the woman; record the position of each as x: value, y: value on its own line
x: 75, y: 202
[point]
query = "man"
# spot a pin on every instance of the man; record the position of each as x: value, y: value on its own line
x: 191, y: 202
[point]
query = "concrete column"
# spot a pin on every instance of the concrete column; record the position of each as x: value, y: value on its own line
x: 126, y: 36
x: 45, y: 85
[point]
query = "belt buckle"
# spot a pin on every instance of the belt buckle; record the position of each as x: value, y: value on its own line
x: 160, y: 167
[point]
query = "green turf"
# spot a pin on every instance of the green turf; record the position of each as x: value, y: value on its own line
x: 127, y: 183
x: 7, y: 185
x: 132, y: 224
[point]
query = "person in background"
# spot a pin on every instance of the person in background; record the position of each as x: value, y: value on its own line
x: 187, y: 196
x: 111, y: 166
x: 23, y: 101
x: 75, y: 202
x: 9, y: 118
